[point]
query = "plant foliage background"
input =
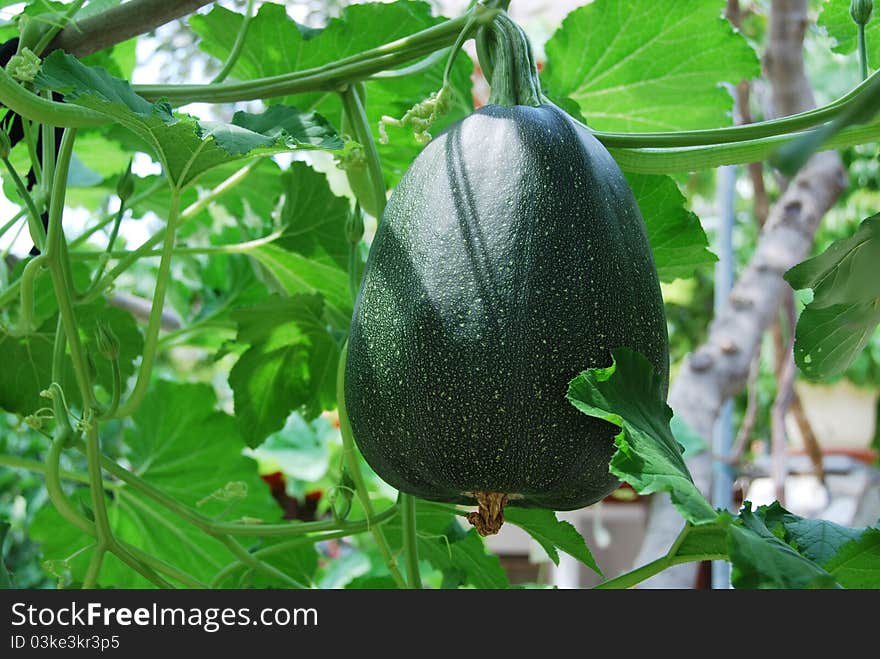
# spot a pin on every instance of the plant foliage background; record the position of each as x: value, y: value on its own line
x: 243, y: 213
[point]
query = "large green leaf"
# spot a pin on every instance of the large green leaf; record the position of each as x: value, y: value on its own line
x: 298, y: 274
x: 632, y: 66
x: 678, y: 241
x: 762, y: 560
x: 314, y: 217
x: 28, y: 359
x: 628, y: 394
x: 817, y: 539
x: 276, y: 45
x: 552, y: 534
x: 773, y: 548
x: 839, y: 24
x: 182, y: 446
x: 185, y: 146
x: 828, y: 340
x: 290, y: 364
x: 845, y: 311
x: 846, y: 272
x: 857, y: 563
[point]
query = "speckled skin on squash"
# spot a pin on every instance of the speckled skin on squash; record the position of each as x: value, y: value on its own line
x: 511, y: 257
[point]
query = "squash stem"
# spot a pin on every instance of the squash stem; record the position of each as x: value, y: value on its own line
x: 489, y: 517
x: 410, y: 540
x: 505, y: 51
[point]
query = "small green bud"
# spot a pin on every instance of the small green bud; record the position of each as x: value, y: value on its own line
x: 341, y: 497
x: 861, y: 10
x: 125, y: 185
x: 354, y: 226
x: 24, y: 66
x: 5, y: 145
x: 108, y: 344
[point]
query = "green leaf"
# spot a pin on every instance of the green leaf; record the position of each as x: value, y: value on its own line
x: 290, y: 364
x: 857, y: 563
x: 851, y: 556
x: 678, y: 241
x: 298, y: 274
x: 29, y: 365
x: 300, y: 562
x: 817, y: 539
x: 5, y: 578
x: 844, y: 273
x: 828, y: 340
x: 182, y: 446
x: 27, y: 371
x: 839, y: 24
x: 276, y: 45
x: 552, y: 534
x: 761, y: 560
x: 185, y: 147
x: 314, y: 217
x: 630, y: 67
x: 628, y: 394
x: 836, y: 326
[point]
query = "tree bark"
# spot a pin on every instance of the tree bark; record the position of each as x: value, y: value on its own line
x: 121, y: 23
x: 719, y: 368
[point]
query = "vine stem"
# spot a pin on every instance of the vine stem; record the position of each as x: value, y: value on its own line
x: 11, y: 223
x: 356, y: 115
x: 55, y: 256
x: 235, y: 248
x: 640, y: 574
x: 63, y: 434
x: 410, y: 539
x: 151, y: 338
x: 354, y: 470
x: 213, y: 527
x: 26, y: 285
x: 237, y: 45
x: 290, y: 545
x: 249, y: 559
x: 863, y: 52
x: 16, y: 462
x: 35, y: 225
x: 51, y: 33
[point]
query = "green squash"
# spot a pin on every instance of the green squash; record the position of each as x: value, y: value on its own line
x: 511, y: 256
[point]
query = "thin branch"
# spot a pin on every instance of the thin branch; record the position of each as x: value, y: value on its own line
x: 785, y: 377
x: 750, y: 416
x: 121, y: 23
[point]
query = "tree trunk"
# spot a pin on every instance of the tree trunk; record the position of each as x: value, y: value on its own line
x: 719, y: 368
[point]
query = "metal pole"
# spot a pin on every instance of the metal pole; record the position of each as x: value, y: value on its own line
x: 722, y: 438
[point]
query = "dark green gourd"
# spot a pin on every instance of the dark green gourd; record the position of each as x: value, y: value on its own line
x: 511, y: 257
